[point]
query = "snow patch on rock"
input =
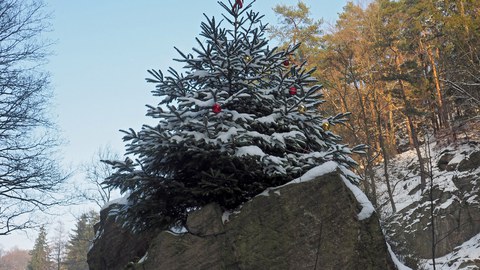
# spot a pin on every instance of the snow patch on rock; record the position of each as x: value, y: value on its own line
x: 367, y: 207
x: 326, y: 168
x: 396, y: 261
x: 469, y: 251
x: 120, y: 201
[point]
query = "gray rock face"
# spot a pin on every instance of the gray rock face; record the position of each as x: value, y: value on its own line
x: 453, y: 225
x: 456, y: 214
x: 115, y: 247
x: 312, y: 225
x: 443, y: 161
x: 471, y: 163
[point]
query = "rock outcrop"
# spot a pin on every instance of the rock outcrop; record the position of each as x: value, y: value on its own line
x: 453, y: 194
x: 115, y: 247
x: 455, y: 219
x: 309, y: 225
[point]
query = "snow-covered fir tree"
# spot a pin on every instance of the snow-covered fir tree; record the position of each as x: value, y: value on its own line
x: 242, y: 117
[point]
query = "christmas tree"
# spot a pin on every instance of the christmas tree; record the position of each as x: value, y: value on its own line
x: 241, y: 118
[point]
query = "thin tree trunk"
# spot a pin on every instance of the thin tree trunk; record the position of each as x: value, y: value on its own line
x: 374, y: 115
x: 409, y: 131
x: 462, y: 14
x: 384, y: 152
x: 369, y: 166
x: 410, y: 125
x: 440, y: 103
x: 428, y: 155
x: 391, y: 122
x: 416, y: 144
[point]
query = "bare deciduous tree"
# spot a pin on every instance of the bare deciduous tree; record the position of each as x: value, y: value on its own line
x: 96, y: 172
x: 59, y: 246
x: 29, y: 175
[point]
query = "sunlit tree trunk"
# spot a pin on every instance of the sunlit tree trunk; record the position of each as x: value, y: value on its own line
x: 410, y: 124
x: 391, y: 122
x: 369, y: 173
x: 384, y: 151
x: 441, y: 108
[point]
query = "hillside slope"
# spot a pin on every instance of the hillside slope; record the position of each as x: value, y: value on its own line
x: 452, y: 193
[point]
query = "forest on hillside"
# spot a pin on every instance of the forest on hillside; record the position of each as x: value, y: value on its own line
x: 402, y: 68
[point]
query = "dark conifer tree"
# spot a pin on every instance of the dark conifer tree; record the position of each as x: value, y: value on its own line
x: 80, y: 242
x: 40, y: 255
x: 241, y: 118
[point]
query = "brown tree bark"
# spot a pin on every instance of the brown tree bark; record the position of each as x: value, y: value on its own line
x: 441, y: 108
x: 411, y: 126
x: 383, y: 149
x: 369, y: 173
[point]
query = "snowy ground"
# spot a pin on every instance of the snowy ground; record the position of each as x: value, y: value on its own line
x: 405, y: 180
x: 459, y: 258
x: 405, y: 184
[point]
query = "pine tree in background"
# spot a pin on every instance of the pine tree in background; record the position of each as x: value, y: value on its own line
x: 80, y: 241
x: 40, y: 255
x: 240, y: 119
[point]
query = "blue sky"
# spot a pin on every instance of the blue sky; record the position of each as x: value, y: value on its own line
x: 103, y: 50
x: 101, y: 55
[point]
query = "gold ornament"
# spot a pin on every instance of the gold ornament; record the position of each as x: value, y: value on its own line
x: 326, y: 126
x: 302, y: 108
x: 247, y: 58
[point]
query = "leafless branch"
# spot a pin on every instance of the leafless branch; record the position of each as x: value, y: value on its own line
x: 30, y: 177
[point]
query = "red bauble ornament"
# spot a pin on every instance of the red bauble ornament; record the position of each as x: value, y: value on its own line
x: 216, y: 108
x: 238, y: 3
x: 293, y: 90
x: 286, y: 63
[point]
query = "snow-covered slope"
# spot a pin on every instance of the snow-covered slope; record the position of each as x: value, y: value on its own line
x: 455, y: 197
x: 406, y: 179
x: 465, y: 256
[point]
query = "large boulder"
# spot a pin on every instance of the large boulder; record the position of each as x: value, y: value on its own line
x: 309, y: 225
x: 114, y: 247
